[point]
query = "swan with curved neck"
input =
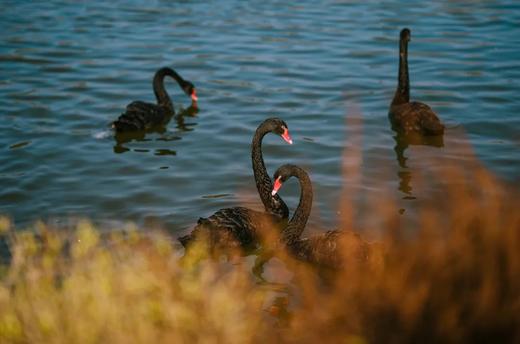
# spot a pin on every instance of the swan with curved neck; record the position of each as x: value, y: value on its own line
x: 272, y: 204
x: 296, y: 225
x: 240, y: 226
x: 322, y: 249
x: 143, y: 116
x: 410, y: 117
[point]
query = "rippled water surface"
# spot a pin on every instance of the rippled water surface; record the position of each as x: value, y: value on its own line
x: 327, y: 68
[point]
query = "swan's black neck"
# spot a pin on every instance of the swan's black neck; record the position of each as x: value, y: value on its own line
x: 158, y: 85
x: 292, y: 233
x: 402, y: 94
x: 272, y: 204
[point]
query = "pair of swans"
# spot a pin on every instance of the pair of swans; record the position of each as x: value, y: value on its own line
x: 242, y: 227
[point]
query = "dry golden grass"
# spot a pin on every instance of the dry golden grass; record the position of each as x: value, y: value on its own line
x: 122, y: 290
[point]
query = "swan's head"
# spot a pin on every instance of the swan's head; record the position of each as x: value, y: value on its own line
x: 406, y: 35
x: 281, y: 175
x: 189, y: 89
x: 279, y: 127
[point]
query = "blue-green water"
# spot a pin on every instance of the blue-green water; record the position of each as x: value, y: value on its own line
x: 67, y: 69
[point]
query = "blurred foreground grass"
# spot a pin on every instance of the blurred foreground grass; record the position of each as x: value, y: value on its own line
x: 123, y: 290
x: 455, y: 280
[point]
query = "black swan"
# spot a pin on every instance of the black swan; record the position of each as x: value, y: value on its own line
x: 325, y: 250
x: 410, y: 117
x: 240, y: 226
x: 143, y: 116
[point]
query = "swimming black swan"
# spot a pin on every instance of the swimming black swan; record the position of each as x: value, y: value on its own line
x: 410, y: 117
x: 327, y: 249
x: 142, y: 116
x: 240, y: 226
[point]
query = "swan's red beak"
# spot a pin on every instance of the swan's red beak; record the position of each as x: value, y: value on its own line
x: 286, y: 136
x: 194, y: 97
x: 277, y: 186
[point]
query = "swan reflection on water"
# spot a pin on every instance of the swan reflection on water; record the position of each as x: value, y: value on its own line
x: 122, y: 138
x: 191, y: 111
x: 402, y: 142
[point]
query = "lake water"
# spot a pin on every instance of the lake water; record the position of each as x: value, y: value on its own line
x: 327, y: 68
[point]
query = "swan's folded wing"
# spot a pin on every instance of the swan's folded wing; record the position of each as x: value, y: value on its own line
x: 320, y: 249
x: 141, y: 116
x: 427, y: 120
x: 238, y: 222
x: 233, y: 227
x: 332, y: 248
x: 430, y: 123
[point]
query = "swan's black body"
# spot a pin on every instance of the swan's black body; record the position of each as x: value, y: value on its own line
x: 144, y: 116
x: 236, y: 227
x: 323, y: 249
x: 239, y: 226
x: 410, y: 117
x: 330, y: 248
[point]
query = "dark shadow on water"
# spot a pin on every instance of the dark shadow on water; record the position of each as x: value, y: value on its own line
x: 140, y: 136
x: 402, y: 142
x: 165, y: 152
x: 217, y: 195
